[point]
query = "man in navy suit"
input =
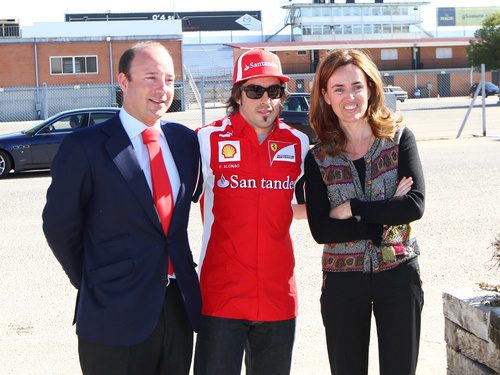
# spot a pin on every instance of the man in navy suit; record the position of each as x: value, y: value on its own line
x: 101, y: 222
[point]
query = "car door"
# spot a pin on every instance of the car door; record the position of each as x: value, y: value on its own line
x: 47, y: 140
x: 296, y: 114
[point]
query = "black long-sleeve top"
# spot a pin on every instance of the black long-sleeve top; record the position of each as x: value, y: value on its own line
x: 374, y: 214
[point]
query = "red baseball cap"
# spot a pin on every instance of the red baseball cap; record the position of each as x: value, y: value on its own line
x: 255, y: 63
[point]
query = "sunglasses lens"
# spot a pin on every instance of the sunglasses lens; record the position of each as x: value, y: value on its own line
x: 256, y: 91
x: 274, y: 91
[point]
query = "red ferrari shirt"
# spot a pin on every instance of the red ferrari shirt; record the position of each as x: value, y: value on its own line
x: 247, y: 262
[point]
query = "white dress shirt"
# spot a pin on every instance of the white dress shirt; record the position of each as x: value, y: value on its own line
x: 134, y: 128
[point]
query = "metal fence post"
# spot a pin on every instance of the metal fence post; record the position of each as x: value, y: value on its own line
x: 480, y: 86
x: 183, y: 96
x: 202, y: 83
x: 483, y: 87
x: 45, y: 101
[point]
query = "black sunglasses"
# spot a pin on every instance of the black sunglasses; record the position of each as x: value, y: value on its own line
x: 256, y: 91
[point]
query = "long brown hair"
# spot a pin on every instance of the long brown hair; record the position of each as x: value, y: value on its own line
x: 325, y: 122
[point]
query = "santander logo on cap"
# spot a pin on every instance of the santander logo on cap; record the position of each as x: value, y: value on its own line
x: 262, y: 63
x: 258, y: 63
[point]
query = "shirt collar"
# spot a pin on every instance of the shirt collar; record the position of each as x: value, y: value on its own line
x: 134, y: 127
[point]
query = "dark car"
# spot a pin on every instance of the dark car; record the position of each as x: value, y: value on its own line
x: 489, y: 89
x: 296, y: 114
x: 35, y: 148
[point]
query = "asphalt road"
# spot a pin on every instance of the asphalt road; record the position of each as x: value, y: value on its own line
x: 455, y: 235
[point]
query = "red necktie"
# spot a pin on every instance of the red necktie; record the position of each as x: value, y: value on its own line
x: 162, y: 190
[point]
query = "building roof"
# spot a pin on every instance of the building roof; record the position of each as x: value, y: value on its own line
x: 331, y: 44
x: 301, y: 5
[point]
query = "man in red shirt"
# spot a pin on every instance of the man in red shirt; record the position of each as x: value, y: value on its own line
x: 252, y: 164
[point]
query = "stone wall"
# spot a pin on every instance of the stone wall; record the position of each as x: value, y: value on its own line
x: 472, y: 332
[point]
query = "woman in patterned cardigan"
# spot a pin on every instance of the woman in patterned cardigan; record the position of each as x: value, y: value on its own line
x: 364, y: 187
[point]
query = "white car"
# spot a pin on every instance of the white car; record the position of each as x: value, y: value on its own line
x: 401, y: 94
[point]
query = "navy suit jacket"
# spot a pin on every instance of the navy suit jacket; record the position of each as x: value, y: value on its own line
x: 100, y: 221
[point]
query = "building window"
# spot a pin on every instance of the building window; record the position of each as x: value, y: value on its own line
x: 306, y: 12
x: 326, y: 12
x: 317, y: 30
x: 302, y: 52
x: 347, y: 11
x: 357, y: 29
x: 389, y: 54
x: 444, y: 53
x: 73, y: 64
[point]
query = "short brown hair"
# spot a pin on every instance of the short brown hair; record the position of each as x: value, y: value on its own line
x: 129, y: 54
x: 326, y: 123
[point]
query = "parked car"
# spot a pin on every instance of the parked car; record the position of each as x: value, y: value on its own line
x: 35, y: 148
x: 401, y: 94
x: 296, y: 114
x: 489, y: 89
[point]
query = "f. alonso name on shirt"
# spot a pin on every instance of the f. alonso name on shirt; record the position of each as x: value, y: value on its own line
x: 236, y: 182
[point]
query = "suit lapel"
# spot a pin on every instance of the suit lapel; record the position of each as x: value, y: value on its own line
x: 122, y: 153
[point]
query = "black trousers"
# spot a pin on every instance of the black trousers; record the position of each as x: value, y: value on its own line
x: 167, y: 351
x: 396, y: 298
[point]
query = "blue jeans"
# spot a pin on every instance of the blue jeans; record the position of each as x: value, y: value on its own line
x: 221, y: 342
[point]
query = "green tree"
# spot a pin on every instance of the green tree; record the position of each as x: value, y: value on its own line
x: 485, y: 48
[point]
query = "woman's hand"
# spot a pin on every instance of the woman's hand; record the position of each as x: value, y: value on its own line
x: 404, y: 186
x: 342, y: 211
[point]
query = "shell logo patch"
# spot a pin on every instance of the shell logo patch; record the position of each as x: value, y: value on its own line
x: 281, y: 151
x: 229, y: 151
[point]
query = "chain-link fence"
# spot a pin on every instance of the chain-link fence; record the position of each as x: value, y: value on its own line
x: 200, y: 98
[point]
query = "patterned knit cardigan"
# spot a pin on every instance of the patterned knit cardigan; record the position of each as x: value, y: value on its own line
x: 342, y: 182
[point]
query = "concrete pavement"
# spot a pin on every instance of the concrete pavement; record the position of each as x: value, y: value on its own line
x: 460, y: 222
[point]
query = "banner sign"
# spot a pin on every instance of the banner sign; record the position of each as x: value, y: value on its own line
x: 191, y: 21
x: 464, y: 16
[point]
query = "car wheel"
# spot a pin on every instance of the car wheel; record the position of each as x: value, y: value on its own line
x: 5, y: 164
